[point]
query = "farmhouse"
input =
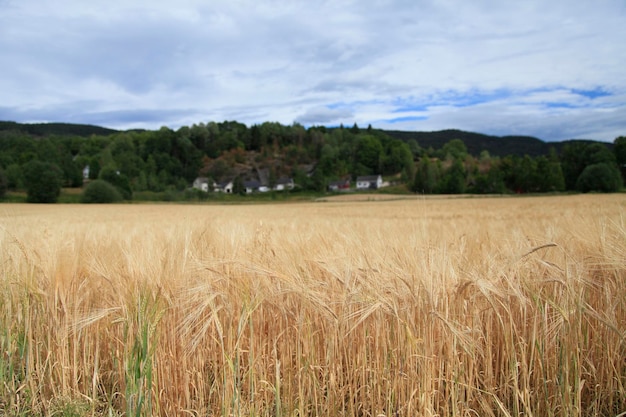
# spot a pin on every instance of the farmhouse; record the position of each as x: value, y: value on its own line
x: 224, y: 187
x: 341, y: 185
x: 284, y: 184
x: 252, y: 186
x: 369, y: 182
x: 201, y: 183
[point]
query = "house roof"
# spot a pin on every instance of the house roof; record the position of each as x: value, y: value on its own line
x: 368, y: 178
x: 223, y: 184
x: 252, y: 184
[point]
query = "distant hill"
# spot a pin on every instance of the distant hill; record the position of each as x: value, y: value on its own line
x: 477, y: 142
x: 60, y: 129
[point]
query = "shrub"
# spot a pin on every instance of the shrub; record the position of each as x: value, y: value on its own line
x: 603, y: 177
x: 119, y: 181
x: 100, y: 191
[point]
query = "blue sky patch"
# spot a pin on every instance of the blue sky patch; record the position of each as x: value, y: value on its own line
x: 592, y: 94
x: 410, y: 108
x: 406, y: 119
x: 561, y: 105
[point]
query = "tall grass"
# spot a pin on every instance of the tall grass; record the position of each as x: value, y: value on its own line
x: 495, y: 307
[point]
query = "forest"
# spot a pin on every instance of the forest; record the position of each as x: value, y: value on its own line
x: 107, y: 165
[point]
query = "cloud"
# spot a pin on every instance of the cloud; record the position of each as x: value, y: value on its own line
x: 418, y: 63
x: 324, y: 115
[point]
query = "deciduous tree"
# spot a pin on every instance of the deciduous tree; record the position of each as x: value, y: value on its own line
x: 43, y: 182
x: 603, y: 177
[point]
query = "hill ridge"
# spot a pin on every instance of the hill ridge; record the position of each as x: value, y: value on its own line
x: 475, y: 142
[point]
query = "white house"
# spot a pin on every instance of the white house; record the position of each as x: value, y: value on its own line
x: 284, y: 184
x: 369, y: 182
x: 252, y: 186
x: 201, y: 183
x: 224, y: 187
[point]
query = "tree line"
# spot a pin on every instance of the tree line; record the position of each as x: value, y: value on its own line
x: 165, y: 162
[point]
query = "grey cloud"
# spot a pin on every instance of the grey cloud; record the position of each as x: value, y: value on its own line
x: 322, y: 115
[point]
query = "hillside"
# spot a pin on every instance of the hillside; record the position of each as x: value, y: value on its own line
x: 59, y: 129
x: 444, y: 162
x: 475, y: 142
x: 478, y: 142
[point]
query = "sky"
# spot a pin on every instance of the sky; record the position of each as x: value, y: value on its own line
x: 553, y: 69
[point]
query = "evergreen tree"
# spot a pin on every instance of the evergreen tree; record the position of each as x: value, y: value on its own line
x: 426, y: 177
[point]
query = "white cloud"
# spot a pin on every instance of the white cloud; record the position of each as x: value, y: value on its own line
x: 483, y: 65
x: 324, y: 115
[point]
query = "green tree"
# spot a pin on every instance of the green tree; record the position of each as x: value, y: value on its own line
x: 619, y: 149
x: 125, y: 155
x: 398, y: 158
x: 101, y: 192
x: 238, y: 186
x: 453, y: 181
x: 94, y: 168
x: 369, y: 152
x: 549, y: 175
x: 118, y: 180
x: 255, y: 138
x: 576, y: 156
x: 426, y: 177
x: 3, y: 183
x: 526, y: 175
x: 43, y: 181
x: 415, y: 148
x: 455, y: 149
x: 141, y: 182
x: 603, y: 177
x: 490, y: 182
x: 327, y: 163
x: 72, y: 173
x: 15, y: 177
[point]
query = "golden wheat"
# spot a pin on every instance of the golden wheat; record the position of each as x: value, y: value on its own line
x: 449, y: 307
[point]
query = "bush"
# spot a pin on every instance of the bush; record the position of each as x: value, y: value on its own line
x: 100, y: 191
x: 43, y: 182
x: 119, y: 181
x: 603, y: 177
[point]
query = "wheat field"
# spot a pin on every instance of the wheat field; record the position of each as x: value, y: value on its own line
x: 417, y: 307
